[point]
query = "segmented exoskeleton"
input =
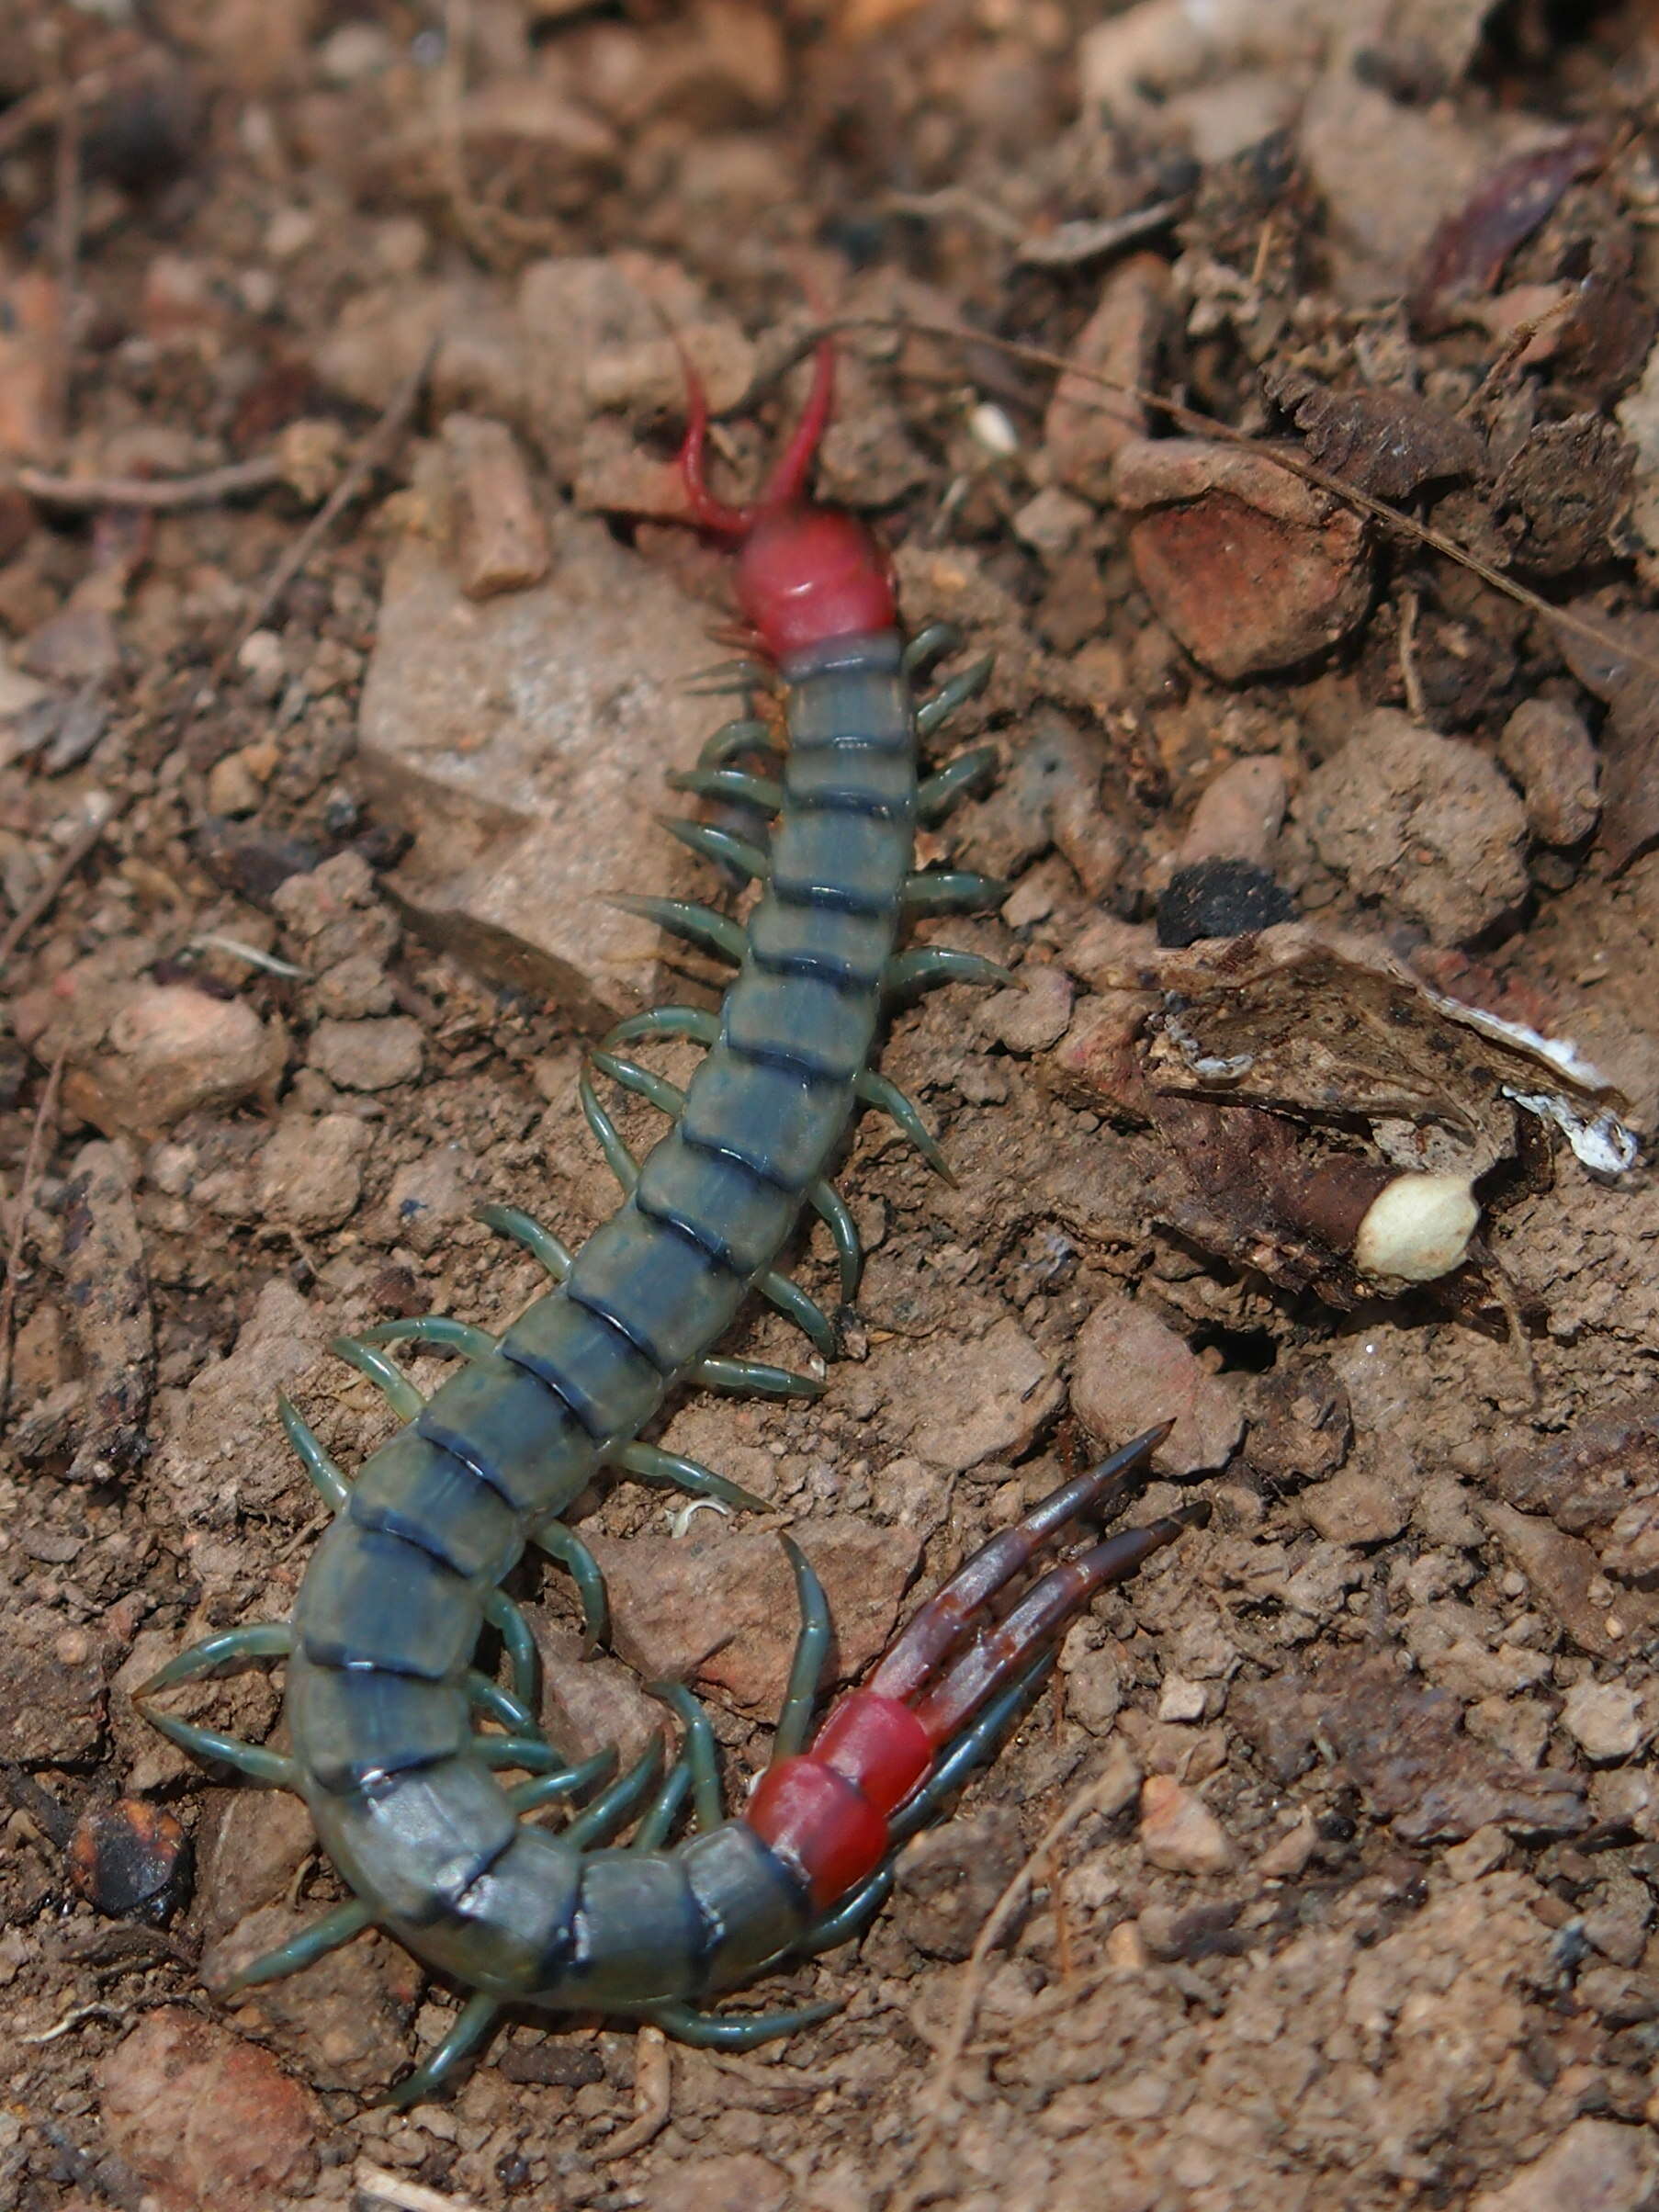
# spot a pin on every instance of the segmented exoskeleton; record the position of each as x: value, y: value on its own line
x: 383, y: 1698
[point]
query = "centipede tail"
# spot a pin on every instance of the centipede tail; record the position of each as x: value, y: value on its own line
x: 402, y: 1748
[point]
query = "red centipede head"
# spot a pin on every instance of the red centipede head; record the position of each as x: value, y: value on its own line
x: 805, y: 574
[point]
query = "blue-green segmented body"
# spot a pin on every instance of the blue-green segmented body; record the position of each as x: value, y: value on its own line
x: 382, y: 1696
x: 391, y: 1610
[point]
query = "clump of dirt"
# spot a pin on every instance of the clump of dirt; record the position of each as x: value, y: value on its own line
x: 345, y: 607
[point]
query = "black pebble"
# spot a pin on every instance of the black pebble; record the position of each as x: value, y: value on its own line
x: 1220, y: 898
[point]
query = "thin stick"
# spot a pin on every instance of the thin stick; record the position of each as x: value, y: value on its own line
x: 382, y: 2187
x: 653, y: 2098
x: 377, y: 447
x: 78, y: 493
x: 25, y: 1190
x: 1211, y: 426
x: 46, y: 897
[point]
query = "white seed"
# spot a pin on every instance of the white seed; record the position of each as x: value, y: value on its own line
x: 1418, y: 1228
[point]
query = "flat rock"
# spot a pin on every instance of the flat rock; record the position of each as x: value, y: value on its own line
x: 1129, y: 1371
x: 205, y: 2120
x: 524, y: 741
x: 717, y: 1608
x: 1251, y: 568
x: 982, y: 1397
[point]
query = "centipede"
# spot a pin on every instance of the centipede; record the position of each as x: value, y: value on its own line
x: 426, y: 1776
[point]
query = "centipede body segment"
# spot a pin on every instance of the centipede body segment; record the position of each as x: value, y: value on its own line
x: 408, y: 1792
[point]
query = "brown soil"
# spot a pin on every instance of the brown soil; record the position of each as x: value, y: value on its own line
x: 1352, y: 1838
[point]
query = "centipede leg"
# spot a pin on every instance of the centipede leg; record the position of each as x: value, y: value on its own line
x: 553, y: 1253
x: 304, y: 1949
x: 953, y: 891
x: 743, y: 734
x: 615, y: 1807
x: 811, y: 1649
x: 226, y: 1647
x: 885, y: 1096
x: 697, y: 1753
x: 563, y: 1544
x: 653, y: 1464
x: 325, y: 1477
x: 666, y: 1022
x: 936, y: 1629
x: 385, y: 1375
x: 933, y: 712
x: 699, y: 925
x: 831, y: 1209
x: 801, y: 1308
x: 748, y: 862
x: 719, y: 1373
x: 473, y: 2023
x: 928, y: 965
x: 734, y: 2031
x: 737, y: 784
x: 663, y: 1811
x: 932, y: 639
x: 617, y: 1157
x: 561, y: 1782
x: 489, y: 1698
x: 433, y: 1332
x: 508, y: 1622
x: 250, y: 1759
x: 937, y: 793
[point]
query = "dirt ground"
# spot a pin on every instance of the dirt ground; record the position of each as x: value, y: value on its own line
x: 345, y: 621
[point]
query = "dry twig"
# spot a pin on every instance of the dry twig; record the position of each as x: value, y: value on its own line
x: 77, y: 494
x: 377, y: 447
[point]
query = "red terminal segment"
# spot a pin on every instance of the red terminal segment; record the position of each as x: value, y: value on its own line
x: 821, y: 1822
x: 878, y: 1744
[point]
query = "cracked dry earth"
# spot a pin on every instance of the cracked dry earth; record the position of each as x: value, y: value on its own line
x: 1348, y: 1894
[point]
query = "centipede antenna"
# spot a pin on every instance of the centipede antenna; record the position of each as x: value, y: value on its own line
x: 708, y: 513
x: 940, y: 1625
x: 788, y: 479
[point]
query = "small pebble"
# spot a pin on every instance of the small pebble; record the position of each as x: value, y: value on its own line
x: 1252, y: 570
x: 1032, y: 1016
x: 1239, y: 816
x: 1220, y: 898
x: 1603, y: 1718
x: 367, y: 1056
x: 309, y: 1175
x: 1179, y: 1832
x: 1550, y: 752
x: 1594, y: 2166
x: 500, y: 543
x: 1426, y: 826
x: 1180, y: 1699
